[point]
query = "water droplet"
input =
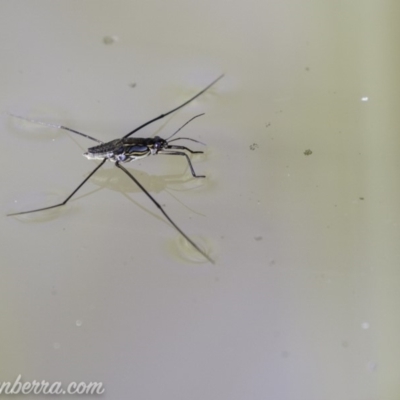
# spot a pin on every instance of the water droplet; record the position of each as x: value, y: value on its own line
x: 364, y: 98
x: 78, y: 322
x: 365, y: 325
x: 56, y: 345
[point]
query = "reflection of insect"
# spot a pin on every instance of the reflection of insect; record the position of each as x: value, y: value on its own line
x: 128, y: 149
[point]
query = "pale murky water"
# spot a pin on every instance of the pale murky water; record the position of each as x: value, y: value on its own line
x: 299, y: 209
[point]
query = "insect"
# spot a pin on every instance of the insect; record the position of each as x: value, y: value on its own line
x: 127, y: 149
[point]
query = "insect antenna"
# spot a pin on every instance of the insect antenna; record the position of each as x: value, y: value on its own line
x: 158, y: 205
x: 175, y: 109
x: 191, y: 119
x: 187, y: 138
x: 57, y: 127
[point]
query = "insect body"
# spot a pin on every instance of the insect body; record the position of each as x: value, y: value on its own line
x: 128, y: 149
x: 125, y: 150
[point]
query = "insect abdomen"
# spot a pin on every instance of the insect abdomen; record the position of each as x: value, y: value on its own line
x: 105, y: 148
x: 122, y: 150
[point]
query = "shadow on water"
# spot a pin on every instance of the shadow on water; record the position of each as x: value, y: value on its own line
x: 113, y: 179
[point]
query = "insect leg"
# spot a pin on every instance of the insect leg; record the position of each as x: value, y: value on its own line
x: 57, y: 127
x: 181, y: 153
x: 158, y: 205
x: 183, y: 148
x: 175, y: 109
x: 66, y: 200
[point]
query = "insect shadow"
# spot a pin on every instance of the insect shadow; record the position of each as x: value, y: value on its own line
x: 107, y: 179
x: 127, y: 149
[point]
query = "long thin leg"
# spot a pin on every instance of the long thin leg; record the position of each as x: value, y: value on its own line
x: 175, y: 109
x: 158, y: 205
x: 181, y: 153
x: 57, y: 127
x: 66, y: 200
x: 183, y: 148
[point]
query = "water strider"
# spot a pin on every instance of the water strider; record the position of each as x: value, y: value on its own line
x: 127, y: 149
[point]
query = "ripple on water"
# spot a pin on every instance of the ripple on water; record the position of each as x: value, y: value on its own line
x: 184, y: 250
